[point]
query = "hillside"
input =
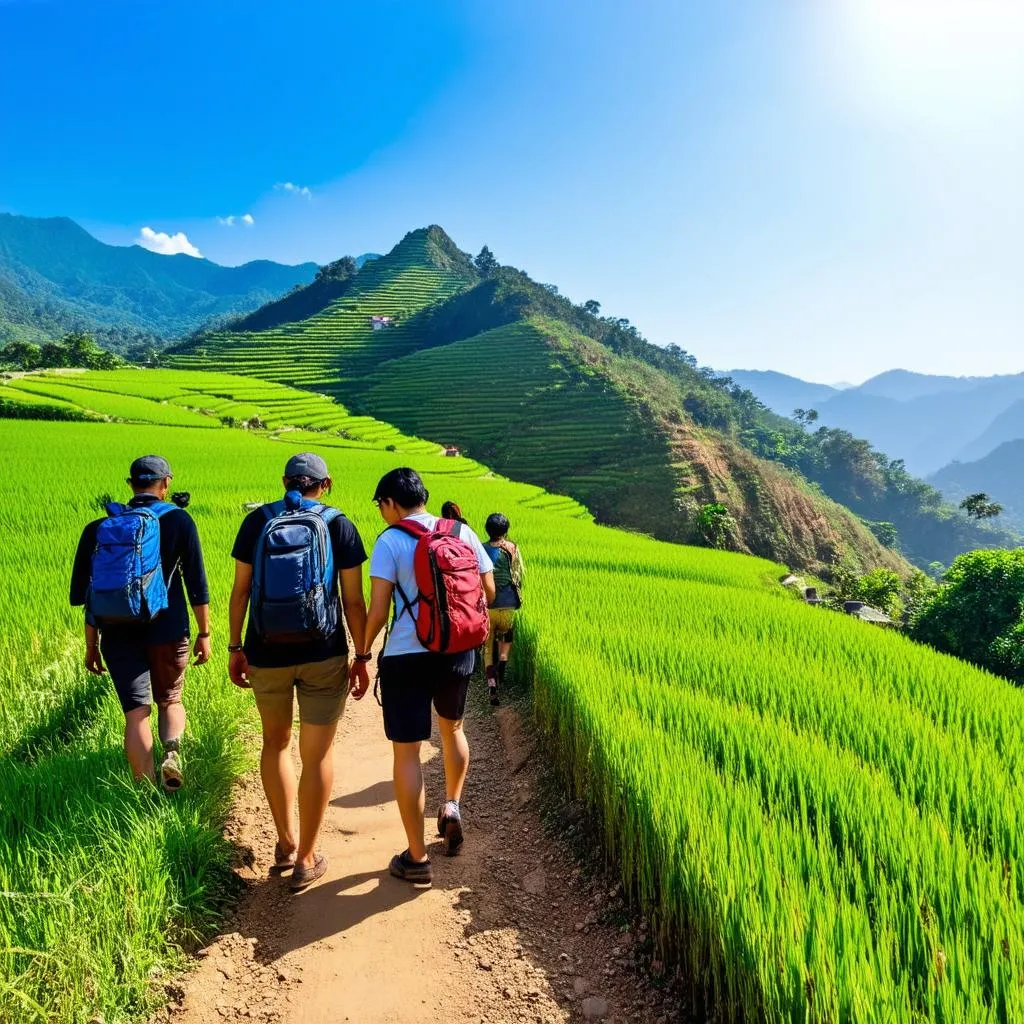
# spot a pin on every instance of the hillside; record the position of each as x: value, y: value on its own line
x: 1000, y: 474
x: 337, y: 341
x: 674, y: 437
x: 541, y: 401
x: 55, y: 277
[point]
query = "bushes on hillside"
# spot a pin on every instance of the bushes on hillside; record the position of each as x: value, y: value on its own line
x: 73, y: 350
x: 977, y: 612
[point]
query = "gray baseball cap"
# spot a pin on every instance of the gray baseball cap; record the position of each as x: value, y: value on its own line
x: 149, y: 468
x: 306, y: 464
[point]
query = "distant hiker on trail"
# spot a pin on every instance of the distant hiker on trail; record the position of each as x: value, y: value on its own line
x: 439, y: 578
x: 449, y: 510
x: 508, y: 581
x: 131, y: 572
x: 289, y: 558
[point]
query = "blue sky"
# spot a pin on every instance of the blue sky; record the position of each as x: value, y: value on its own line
x: 830, y: 190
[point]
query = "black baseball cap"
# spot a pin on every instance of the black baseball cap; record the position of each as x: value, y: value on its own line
x: 149, y: 468
x: 306, y: 464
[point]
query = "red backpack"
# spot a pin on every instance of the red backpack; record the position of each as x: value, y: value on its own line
x: 451, y: 610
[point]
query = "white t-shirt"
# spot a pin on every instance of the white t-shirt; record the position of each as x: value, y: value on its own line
x: 392, y: 560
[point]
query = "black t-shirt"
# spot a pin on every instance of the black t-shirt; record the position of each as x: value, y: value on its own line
x: 349, y: 553
x: 182, y: 560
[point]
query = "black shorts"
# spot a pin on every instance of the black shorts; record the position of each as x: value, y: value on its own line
x: 409, y: 683
x: 146, y: 674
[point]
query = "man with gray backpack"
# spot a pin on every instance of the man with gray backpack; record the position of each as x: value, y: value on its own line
x: 291, y: 558
x: 131, y: 572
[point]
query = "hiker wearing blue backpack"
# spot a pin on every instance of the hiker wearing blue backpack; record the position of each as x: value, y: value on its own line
x: 131, y: 572
x: 439, y: 579
x: 292, y: 557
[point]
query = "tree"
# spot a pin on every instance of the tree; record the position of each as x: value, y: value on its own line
x: 53, y: 354
x: 592, y: 306
x: 976, y: 613
x: 805, y: 416
x: 716, y: 524
x: 485, y: 262
x: 22, y: 354
x: 339, y: 270
x: 978, y: 506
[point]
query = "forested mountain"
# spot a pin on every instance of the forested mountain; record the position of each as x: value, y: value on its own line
x: 55, y: 278
x: 924, y: 421
x: 1000, y: 474
x: 481, y: 356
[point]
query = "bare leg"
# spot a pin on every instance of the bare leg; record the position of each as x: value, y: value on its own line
x: 503, y: 651
x: 278, y: 773
x: 171, y: 722
x: 138, y: 743
x: 409, y: 794
x: 314, y: 787
x: 456, y: 756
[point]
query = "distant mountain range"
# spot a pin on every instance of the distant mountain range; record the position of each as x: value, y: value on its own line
x: 928, y: 421
x: 56, y: 277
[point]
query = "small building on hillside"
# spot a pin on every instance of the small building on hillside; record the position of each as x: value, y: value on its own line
x: 379, y: 323
x: 864, y: 612
x: 451, y: 451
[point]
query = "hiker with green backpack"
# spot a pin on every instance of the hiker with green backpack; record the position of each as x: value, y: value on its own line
x: 437, y: 578
x: 298, y: 567
x: 131, y: 572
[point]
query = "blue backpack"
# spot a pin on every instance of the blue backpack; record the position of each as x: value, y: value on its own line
x: 293, y: 596
x: 127, y: 582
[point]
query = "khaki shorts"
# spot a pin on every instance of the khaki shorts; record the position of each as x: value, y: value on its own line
x: 321, y: 687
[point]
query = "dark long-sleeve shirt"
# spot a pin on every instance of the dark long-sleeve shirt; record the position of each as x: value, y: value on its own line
x: 181, y: 557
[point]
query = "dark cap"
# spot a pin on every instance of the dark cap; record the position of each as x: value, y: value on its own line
x: 150, y: 468
x: 306, y: 464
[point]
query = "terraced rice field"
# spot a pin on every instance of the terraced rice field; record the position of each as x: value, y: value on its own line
x: 177, y: 398
x: 338, y: 343
x: 527, y: 406
x: 825, y: 822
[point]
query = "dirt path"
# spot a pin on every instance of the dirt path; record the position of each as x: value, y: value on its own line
x: 510, y: 931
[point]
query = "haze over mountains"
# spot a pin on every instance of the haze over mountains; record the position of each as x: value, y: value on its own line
x: 56, y: 277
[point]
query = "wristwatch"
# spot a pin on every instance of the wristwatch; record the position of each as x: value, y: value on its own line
x: 365, y: 658
x: 234, y: 648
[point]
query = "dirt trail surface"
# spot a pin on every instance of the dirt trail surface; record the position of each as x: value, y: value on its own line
x: 512, y: 929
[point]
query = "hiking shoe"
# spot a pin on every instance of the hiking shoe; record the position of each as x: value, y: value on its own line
x: 404, y: 867
x: 170, y: 772
x: 449, y: 828
x: 302, y: 877
x: 492, y: 694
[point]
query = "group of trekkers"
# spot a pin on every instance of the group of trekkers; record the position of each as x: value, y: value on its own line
x: 439, y: 592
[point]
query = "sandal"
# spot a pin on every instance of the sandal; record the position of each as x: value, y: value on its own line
x: 303, y: 877
x: 282, y: 861
x: 408, y: 870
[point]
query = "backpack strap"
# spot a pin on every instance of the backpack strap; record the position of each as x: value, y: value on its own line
x: 412, y: 528
x: 159, y: 508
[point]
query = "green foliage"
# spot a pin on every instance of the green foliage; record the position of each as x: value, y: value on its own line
x: 485, y: 262
x: 977, y: 613
x: 339, y: 270
x: 881, y: 588
x: 716, y: 524
x: 978, y: 506
x: 73, y: 350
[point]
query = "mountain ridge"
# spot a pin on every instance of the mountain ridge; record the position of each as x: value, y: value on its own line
x: 55, y: 277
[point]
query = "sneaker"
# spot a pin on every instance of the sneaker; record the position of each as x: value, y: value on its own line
x: 170, y: 772
x: 408, y: 870
x: 449, y: 828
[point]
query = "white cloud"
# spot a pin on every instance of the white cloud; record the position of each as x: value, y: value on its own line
x: 297, y: 190
x: 165, y: 244
x: 231, y: 220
